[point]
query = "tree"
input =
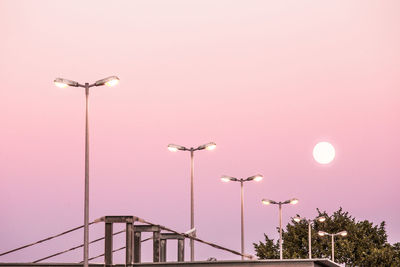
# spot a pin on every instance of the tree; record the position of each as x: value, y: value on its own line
x: 267, y: 250
x: 365, y: 245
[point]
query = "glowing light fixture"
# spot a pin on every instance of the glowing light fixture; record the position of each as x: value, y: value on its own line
x: 343, y: 233
x: 174, y: 148
x: 109, y: 81
x: 321, y: 233
x: 211, y: 146
x: 297, y: 219
x: 63, y: 83
x: 225, y: 179
x: 257, y: 177
x: 266, y: 201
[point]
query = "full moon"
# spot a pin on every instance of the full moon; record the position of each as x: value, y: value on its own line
x: 324, y: 153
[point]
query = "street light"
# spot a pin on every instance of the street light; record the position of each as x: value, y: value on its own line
x: 175, y: 148
x: 256, y: 178
x: 292, y: 201
x: 342, y: 233
x: 299, y: 219
x: 63, y: 83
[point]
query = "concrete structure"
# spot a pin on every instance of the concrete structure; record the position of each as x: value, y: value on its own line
x: 135, y: 226
x: 258, y: 263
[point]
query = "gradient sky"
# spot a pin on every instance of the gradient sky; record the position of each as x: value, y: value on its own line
x: 265, y: 80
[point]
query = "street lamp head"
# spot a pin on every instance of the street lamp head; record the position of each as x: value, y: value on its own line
x: 208, y: 146
x: 294, y: 201
x: 62, y: 83
x: 321, y: 219
x: 211, y: 146
x: 226, y: 178
x: 257, y: 178
x: 109, y: 81
x: 343, y: 233
x: 297, y: 219
x: 322, y: 233
x: 267, y: 201
x: 174, y: 148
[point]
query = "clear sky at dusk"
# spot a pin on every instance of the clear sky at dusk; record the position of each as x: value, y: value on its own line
x: 265, y: 80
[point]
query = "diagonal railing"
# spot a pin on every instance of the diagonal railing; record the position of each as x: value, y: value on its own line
x: 131, y: 220
x: 44, y: 240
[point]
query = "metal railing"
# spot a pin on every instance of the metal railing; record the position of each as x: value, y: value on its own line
x: 135, y: 226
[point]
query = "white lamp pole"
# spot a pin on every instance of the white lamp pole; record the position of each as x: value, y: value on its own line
x: 342, y: 233
x: 256, y: 178
x: 174, y: 148
x: 292, y: 201
x: 62, y: 83
x: 298, y: 219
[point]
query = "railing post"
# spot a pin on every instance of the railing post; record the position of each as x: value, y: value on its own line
x: 129, y: 244
x: 181, y: 249
x: 137, y: 237
x: 156, y: 245
x: 163, y: 250
x: 108, y: 246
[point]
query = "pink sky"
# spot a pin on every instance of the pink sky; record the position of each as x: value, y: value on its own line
x: 265, y: 80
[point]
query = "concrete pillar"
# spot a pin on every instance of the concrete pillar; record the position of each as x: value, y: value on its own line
x: 156, y: 246
x: 163, y: 250
x: 129, y: 244
x: 137, y: 247
x: 108, y: 246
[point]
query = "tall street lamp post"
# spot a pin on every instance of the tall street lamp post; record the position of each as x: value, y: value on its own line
x: 175, y: 148
x: 299, y: 219
x: 63, y: 83
x: 342, y: 233
x: 256, y: 178
x: 292, y: 201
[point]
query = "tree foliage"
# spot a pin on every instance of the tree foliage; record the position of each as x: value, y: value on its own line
x: 365, y: 245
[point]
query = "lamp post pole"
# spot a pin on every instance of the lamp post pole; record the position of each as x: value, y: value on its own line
x: 309, y: 239
x: 191, y: 201
x: 241, y: 219
x: 280, y: 231
x: 309, y: 222
x: 342, y: 233
x: 174, y: 148
x: 86, y: 210
x: 256, y: 178
x: 62, y: 83
x: 292, y: 201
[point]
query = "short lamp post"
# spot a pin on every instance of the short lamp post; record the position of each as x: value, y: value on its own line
x: 342, y: 233
x: 292, y: 201
x: 256, y: 178
x: 175, y: 148
x: 299, y: 219
x: 63, y: 83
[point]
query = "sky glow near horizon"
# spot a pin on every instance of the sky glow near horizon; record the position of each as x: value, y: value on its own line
x: 264, y: 80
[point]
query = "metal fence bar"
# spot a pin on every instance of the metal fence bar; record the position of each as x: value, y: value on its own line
x: 73, y: 248
x: 199, y: 240
x: 118, y: 249
x: 46, y: 239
